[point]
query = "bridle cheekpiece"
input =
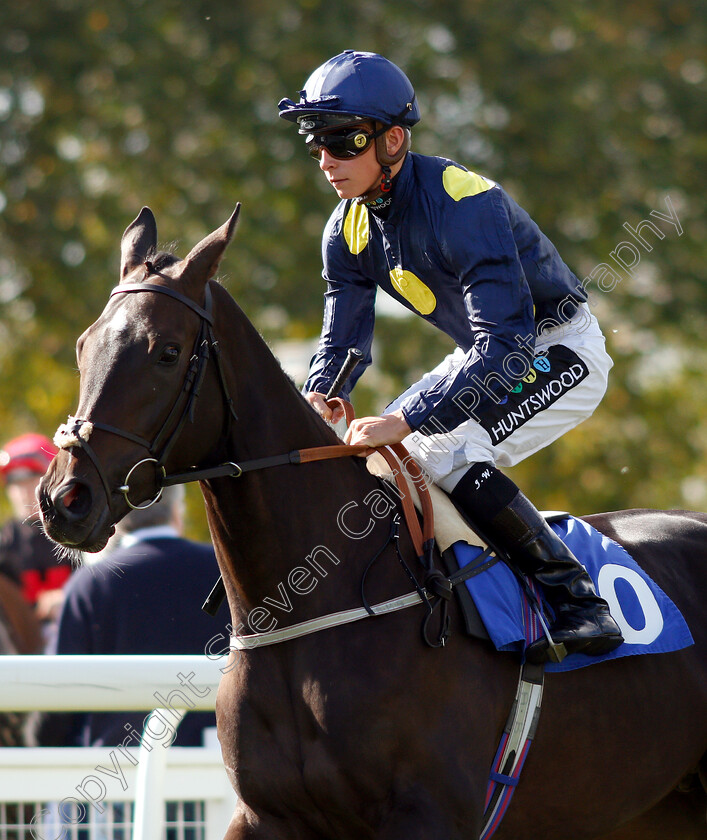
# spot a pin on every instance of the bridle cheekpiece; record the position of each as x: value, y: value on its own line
x: 77, y: 431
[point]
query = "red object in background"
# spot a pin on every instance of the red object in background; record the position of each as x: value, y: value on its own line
x: 34, y: 581
x: 31, y: 453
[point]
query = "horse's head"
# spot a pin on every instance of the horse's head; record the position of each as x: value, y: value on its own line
x: 142, y: 365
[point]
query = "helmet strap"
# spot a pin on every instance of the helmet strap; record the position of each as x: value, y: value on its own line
x: 386, y: 161
x: 383, y: 187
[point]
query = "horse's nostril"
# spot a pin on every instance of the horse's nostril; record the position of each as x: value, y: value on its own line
x: 73, y: 500
x: 68, y: 498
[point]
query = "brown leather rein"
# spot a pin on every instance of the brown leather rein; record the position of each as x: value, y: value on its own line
x: 410, y: 468
x: 76, y: 432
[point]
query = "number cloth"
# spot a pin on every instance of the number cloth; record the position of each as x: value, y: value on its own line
x: 649, y: 621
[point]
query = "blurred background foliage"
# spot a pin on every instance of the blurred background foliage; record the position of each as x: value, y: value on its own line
x: 592, y: 114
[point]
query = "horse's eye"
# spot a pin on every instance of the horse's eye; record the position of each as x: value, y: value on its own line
x: 170, y: 354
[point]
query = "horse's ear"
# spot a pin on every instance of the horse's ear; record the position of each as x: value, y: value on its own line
x: 139, y: 239
x: 203, y: 260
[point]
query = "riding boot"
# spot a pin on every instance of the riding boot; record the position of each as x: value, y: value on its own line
x: 582, y: 619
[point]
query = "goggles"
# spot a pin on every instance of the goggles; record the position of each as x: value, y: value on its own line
x: 342, y: 144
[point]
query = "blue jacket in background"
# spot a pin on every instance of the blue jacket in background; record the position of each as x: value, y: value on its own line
x: 141, y: 599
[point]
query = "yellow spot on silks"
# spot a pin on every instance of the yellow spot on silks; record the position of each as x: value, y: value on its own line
x: 461, y: 184
x: 413, y: 290
x: 356, y: 228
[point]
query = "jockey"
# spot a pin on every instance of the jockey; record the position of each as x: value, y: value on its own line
x: 453, y: 247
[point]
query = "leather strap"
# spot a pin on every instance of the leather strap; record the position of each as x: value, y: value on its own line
x: 406, y: 463
x: 406, y: 500
x: 204, y: 314
x: 349, y: 413
x: 418, y: 477
x: 326, y: 453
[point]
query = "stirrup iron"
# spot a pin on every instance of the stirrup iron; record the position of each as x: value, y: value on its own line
x: 556, y: 651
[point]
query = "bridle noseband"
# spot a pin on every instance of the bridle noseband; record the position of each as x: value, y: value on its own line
x: 77, y: 430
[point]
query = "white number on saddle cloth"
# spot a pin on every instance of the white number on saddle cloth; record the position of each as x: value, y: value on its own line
x: 606, y: 584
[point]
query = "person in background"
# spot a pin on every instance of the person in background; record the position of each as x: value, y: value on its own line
x: 143, y: 596
x: 27, y: 557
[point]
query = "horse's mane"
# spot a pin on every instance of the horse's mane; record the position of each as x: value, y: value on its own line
x: 269, y: 356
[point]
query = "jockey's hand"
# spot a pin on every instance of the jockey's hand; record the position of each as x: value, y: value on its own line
x: 318, y: 402
x: 378, y: 431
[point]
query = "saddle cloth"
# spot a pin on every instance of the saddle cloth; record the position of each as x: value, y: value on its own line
x: 649, y: 621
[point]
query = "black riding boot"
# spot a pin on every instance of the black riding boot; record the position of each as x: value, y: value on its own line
x: 582, y: 619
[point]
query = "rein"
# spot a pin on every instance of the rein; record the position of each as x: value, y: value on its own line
x: 77, y: 431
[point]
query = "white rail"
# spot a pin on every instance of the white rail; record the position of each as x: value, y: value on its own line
x: 46, y: 775
x: 107, y: 683
x: 174, y: 684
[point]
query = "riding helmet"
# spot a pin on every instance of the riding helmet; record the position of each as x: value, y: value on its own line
x: 351, y: 87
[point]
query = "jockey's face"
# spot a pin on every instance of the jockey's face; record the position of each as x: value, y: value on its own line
x: 352, y: 177
x: 355, y: 176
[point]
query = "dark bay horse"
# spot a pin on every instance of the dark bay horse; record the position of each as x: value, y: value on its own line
x: 359, y: 731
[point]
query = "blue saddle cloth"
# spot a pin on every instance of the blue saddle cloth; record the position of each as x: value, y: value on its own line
x: 649, y: 621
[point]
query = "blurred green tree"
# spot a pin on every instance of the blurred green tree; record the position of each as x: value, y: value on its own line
x: 591, y: 114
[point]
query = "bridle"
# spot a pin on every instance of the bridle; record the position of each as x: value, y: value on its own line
x: 76, y: 432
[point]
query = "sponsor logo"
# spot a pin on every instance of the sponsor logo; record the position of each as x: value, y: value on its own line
x: 554, y: 374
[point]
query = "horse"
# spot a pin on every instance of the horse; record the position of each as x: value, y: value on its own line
x: 22, y: 630
x: 20, y: 633
x: 359, y: 730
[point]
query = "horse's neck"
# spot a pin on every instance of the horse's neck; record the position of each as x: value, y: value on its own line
x: 273, y: 417
x: 271, y: 524
x: 290, y: 535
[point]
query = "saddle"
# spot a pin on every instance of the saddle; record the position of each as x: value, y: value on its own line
x: 450, y: 527
x: 499, y: 605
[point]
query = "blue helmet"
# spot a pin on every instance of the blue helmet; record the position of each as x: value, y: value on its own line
x: 351, y: 87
